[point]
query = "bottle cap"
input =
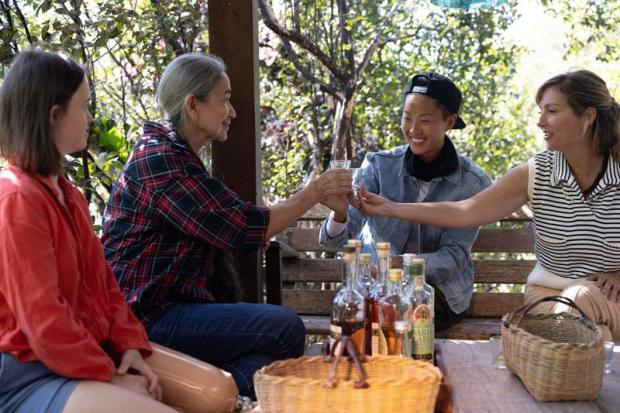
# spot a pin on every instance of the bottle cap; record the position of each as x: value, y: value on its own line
x: 417, y: 266
x: 354, y: 243
x: 349, y: 253
x: 364, y: 258
x: 396, y: 274
x: 383, y: 245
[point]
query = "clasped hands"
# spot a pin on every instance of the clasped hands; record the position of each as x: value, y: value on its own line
x: 362, y: 199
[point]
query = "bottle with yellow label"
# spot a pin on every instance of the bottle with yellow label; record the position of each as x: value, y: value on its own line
x: 421, y: 313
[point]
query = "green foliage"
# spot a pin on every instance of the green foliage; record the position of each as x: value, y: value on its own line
x: 125, y: 47
x: 468, y: 46
x: 126, y: 44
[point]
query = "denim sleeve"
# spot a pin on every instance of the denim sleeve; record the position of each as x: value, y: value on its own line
x: 452, y: 259
x: 355, y: 218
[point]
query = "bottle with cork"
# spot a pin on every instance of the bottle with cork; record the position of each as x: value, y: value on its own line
x: 393, y: 310
x: 378, y: 291
x: 421, y: 313
x: 348, y: 306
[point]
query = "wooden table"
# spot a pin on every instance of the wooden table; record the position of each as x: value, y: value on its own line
x: 477, y: 386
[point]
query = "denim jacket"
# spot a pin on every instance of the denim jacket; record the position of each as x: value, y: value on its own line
x: 446, y: 250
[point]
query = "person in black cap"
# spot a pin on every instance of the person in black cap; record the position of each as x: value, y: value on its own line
x: 426, y: 168
x: 573, y: 188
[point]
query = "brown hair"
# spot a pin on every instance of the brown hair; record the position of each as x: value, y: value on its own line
x: 584, y: 89
x: 36, y: 81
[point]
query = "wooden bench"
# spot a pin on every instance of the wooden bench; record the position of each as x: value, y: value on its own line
x: 298, y: 275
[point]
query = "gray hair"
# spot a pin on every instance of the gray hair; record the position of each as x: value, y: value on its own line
x: 189, y: 74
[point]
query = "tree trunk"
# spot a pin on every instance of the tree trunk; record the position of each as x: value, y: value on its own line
x: 341, y: 132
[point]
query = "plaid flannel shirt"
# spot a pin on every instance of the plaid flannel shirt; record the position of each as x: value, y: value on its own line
x: 165, y: 217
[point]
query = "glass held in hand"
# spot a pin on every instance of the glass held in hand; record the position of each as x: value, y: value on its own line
x: 609, y: 356
x: 356, y: 177
x: 339, y: 164
x: 498, y: 354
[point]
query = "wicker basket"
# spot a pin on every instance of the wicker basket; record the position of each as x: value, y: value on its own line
x: 397, y: 384
x: 557, y: 356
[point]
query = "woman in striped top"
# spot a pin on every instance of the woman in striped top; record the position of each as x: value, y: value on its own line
x: 574, y: 190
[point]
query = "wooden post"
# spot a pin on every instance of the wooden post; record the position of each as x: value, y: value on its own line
x: 233, y: 35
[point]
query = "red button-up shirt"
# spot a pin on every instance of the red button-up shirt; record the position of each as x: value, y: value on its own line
x: 59, y: 302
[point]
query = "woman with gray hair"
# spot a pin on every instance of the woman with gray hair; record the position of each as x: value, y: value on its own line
x: 170, y: 230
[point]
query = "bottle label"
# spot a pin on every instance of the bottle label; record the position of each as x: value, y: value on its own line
x: 374, y: 340
x: 382, y: 347
x: 422, y: 333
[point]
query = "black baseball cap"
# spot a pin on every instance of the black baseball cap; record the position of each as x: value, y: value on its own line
x: 440, y: 88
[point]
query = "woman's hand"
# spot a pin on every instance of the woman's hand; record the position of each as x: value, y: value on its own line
x: 331, y: 183
x: 339, y: 204
x: 374, y: 204
x: 135, y: 383
x: 609, y: 284
x: 132, y: 359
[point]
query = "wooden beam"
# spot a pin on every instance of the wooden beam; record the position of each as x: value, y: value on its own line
x: 489, y: 240
x: 233, y: 35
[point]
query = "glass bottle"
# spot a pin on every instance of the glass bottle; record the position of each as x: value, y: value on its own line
x: 357, y: 244
x: 365, y: 282
x: 410, y: 270
x: 348, y: 306
x: 421, y: 313
x: 402, y: 331
x: 379, y: 290
x: 393, y: 308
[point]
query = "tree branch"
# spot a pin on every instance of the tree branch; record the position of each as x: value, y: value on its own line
x: 375, y: 42
x: 6, y: 8
x: 23, y: 21
x: 170, y: 41
x: 348, y: 57
x: 305, y: 72
x: 296, y: 37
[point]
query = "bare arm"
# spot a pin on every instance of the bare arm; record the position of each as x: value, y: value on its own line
x: 490, y: 205
x: 331, y: 182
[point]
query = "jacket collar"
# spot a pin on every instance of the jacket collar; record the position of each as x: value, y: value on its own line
x: 164, y: 131
x: 454, y: 177
x: 44, y: 180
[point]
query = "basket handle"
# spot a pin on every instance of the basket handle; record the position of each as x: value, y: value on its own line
x: 522, y: 311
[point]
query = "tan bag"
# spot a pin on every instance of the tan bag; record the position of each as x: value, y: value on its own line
x: 557, y: 356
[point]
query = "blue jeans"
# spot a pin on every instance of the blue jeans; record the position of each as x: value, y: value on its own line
x: 239, y: 338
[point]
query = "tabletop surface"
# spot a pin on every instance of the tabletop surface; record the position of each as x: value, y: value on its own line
x: 477, y: 386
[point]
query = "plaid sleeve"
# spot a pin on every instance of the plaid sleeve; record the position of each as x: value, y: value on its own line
x: 183, y: 196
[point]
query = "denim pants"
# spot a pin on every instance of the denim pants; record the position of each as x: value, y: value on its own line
x: 239, y: 338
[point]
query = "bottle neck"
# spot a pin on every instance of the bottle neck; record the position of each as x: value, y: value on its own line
x: 350, y: 274
x: 395, y: 287
x: 384, y: 264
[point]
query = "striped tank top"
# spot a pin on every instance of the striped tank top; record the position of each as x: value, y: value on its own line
x: 575, y: 236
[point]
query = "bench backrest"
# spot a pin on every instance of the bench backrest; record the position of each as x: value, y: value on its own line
x: 308, y: 284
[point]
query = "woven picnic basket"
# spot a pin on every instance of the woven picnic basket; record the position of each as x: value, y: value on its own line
x: 557, y: 356
x: 396, y: 384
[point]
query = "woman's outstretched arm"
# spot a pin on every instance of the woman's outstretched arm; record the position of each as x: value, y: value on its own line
x: 490, y: 205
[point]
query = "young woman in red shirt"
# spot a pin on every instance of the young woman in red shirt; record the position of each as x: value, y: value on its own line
x: 68, y: 341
